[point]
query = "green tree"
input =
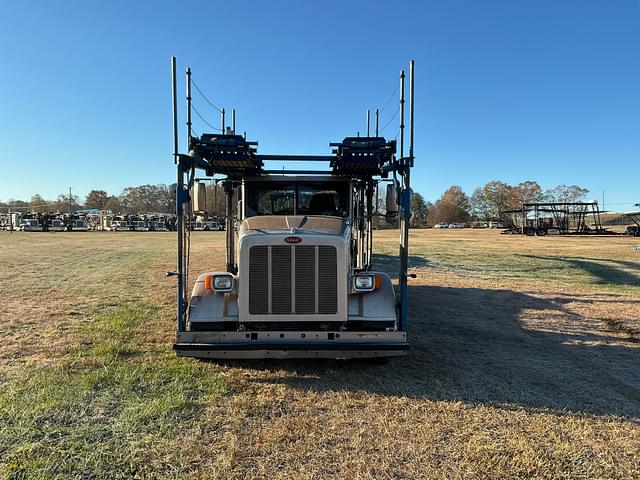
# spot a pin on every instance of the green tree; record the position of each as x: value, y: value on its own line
x: 148, y: 199
x: 419, y: 211
x: 499, y: 196
x: 481, y: 208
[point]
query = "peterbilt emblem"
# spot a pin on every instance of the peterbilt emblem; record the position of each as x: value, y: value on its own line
x: 293, y: 239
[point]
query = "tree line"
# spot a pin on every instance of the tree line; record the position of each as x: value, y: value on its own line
x: 144, y: 198
x: 485, y: 203
x: 158, y: 198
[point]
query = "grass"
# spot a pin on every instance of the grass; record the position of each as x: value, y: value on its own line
x: 523, y: 365
x: 107, y: 410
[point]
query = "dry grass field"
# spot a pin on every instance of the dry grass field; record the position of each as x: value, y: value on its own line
x: 525, y: 363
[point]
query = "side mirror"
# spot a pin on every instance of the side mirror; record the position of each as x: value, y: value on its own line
x: 392, y: 200
x: 199, y: 197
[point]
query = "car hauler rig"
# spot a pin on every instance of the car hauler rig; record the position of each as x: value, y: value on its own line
x: 299, y: 248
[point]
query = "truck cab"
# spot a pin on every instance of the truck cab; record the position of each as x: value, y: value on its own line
x: 296, y: 252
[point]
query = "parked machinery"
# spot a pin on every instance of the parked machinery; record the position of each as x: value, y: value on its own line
x: 30, y: 222
x: 116, y: 223
x: 540, y: 218
x: 633, y: 217
x: 57, y: 222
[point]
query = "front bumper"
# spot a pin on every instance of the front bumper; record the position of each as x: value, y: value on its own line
x: 288, y: 344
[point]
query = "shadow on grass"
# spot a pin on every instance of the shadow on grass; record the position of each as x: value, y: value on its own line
x: 602, y: 270
x: 468, y: 344
x: 391, y: 263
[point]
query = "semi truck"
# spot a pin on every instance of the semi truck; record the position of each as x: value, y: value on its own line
x: 299, y: 278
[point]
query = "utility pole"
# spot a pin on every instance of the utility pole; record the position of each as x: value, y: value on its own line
x: 70, y: 201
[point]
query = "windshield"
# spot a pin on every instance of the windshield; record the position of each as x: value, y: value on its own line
x: 297, y: 198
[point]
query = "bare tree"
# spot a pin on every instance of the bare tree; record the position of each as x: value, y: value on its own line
x: 528, y: 192
x: 64, y: 204
x: 96, y: 199
x: 38, y: 204
x: 113, y: 204
x: 566, y: 193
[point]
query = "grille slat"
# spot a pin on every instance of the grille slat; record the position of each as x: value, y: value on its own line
x: 327, y: 276
x: 281, y: 279
x: 314, y: 274
x: 305, y: 279
x: 259, y: 280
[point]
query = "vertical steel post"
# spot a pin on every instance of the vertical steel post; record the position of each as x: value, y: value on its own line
x: 405, y: 201
x: 360, y: 225
x: 230, y: 224
x: 179, y: 200
x: 188, y: 108
x: 401, y: 113
x: 411, y: 100
x: 369, y: 225
x: 377, y: 120
x: 368, y: 121
x: 233, y: 120
x: 174, y: 105
x: 402, y: 279
x: 222, y: 119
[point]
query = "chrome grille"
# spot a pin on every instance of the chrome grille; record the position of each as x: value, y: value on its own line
x: 288, y: 279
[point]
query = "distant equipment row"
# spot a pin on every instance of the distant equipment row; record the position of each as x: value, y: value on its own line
x: 103, y: 221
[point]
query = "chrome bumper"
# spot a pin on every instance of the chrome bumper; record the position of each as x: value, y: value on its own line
x: 287, y: 344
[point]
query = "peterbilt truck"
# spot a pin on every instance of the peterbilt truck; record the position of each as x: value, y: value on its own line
x: 299, y: 278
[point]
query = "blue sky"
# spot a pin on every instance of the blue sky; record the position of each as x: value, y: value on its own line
x: 509, y: 90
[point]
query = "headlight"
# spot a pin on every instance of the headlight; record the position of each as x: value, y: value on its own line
x: 219, y: 283
x: 222, y: 283
x: 364, y: 283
